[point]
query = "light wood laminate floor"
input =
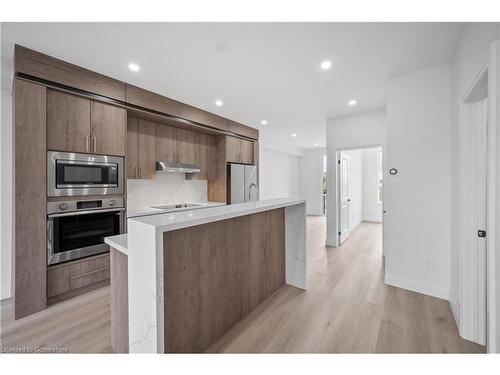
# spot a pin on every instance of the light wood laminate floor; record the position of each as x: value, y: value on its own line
x: 346, y: 309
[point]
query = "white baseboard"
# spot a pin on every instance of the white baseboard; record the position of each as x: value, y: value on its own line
x: 330, y: 243
x: 6, y: 292
x: 456, y: 313
x: 416, y: 286
x: 372, y: 219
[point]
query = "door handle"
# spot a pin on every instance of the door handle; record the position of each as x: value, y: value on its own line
x: 348, y: 199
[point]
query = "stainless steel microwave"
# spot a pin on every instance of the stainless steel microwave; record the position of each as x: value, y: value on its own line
x: 82, y: 174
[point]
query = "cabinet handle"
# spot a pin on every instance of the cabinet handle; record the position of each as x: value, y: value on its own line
x: 89, y: 273
x: 135, y: 172
x: 94, y: 139
x: 140, y: 174
x: 86, y: 143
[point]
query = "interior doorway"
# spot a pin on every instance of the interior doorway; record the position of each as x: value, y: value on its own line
x: 360, y: 189
x: 473, y: 211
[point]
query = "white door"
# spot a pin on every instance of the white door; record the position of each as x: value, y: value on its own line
x: 473, y: 219
x: 344, y: 197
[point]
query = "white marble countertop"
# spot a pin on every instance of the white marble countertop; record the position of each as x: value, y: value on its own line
x: 165, y: 222
x: 118, y: 242
x: 145, y: 211
x: 183, y: 219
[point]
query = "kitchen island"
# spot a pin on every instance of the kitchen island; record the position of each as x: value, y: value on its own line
x: 180, y: 280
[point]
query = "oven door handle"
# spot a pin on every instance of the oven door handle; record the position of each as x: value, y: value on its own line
x: 75, y: 213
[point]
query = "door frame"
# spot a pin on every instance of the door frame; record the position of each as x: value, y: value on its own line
x: 492, y: 186
x: 384, y: 189
x: 340, y: 233
x: 491, y: 68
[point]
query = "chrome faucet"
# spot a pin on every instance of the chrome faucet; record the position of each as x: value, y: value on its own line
x: 252, y: 185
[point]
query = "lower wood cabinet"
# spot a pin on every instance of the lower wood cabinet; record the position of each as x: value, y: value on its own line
x: 68, y: 277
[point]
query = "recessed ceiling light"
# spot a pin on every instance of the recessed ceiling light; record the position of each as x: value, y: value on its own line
x: 219, y: 103
x: 352, y: 102
x: 263, y: 122
x: 325, y: 65
x: 294, y: 135
x: 134, y: 67
x: 316, y: 144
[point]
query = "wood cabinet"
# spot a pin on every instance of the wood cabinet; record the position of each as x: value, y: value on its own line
x: 68, y: 122
x: 77, y: 124
x: 49, y: 68
x: 239, y: 150
x: 211, y: 163
x: 205, y: 157
x: 246, y: 152
x: 175, y: 145
x: 81, y: 273
x: 215, y: 274
x: 108, y: 127
x: 151, y: 100
x: 165, y: 143
x: 243, y: 130
x: 184, y: 145
x: 200, y: 155
x: 30, y: 220
x: 141, y: 149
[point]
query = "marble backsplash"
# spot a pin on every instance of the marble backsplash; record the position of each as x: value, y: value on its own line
x: 165, y: 189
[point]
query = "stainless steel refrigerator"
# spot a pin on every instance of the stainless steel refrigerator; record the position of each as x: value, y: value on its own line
x: 242, y: 183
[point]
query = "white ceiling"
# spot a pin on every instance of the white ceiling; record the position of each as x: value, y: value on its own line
x: 260, y: 70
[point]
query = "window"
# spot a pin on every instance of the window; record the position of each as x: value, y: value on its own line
x: 380, y: 177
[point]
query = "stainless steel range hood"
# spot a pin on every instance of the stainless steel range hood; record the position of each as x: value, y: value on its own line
x: 167, y: 166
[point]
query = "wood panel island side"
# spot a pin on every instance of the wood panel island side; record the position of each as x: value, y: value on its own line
x: 180, y: 280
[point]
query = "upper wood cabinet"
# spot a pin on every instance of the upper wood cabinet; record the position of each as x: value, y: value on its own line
x: 184, y: 145
x: 246, y: 152
x: 239, y: 150
x: 132, y: 155
x: 141, y: 145
x: 76, y: 124
x: 200, y: 155
x: 108, y: 129
x: 175, y: 145
x: 165, y: 143
x: 68, y: 122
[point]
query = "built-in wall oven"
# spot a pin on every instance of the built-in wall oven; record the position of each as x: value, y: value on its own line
x: 76, y: 229
x: 81, y: 174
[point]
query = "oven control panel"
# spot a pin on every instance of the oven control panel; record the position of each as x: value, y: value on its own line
x: 84, y: 205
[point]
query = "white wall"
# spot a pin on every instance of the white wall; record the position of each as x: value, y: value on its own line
x: 418, y: 199
x: 355, y: 186
x: 311, y: 176
x: 6, y: 180
x: 372, y: 207
x: 361, y: 130
x: 278, y: 174
x: 471, y: 53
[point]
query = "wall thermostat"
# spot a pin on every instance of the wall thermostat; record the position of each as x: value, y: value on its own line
x: 393, y: 171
